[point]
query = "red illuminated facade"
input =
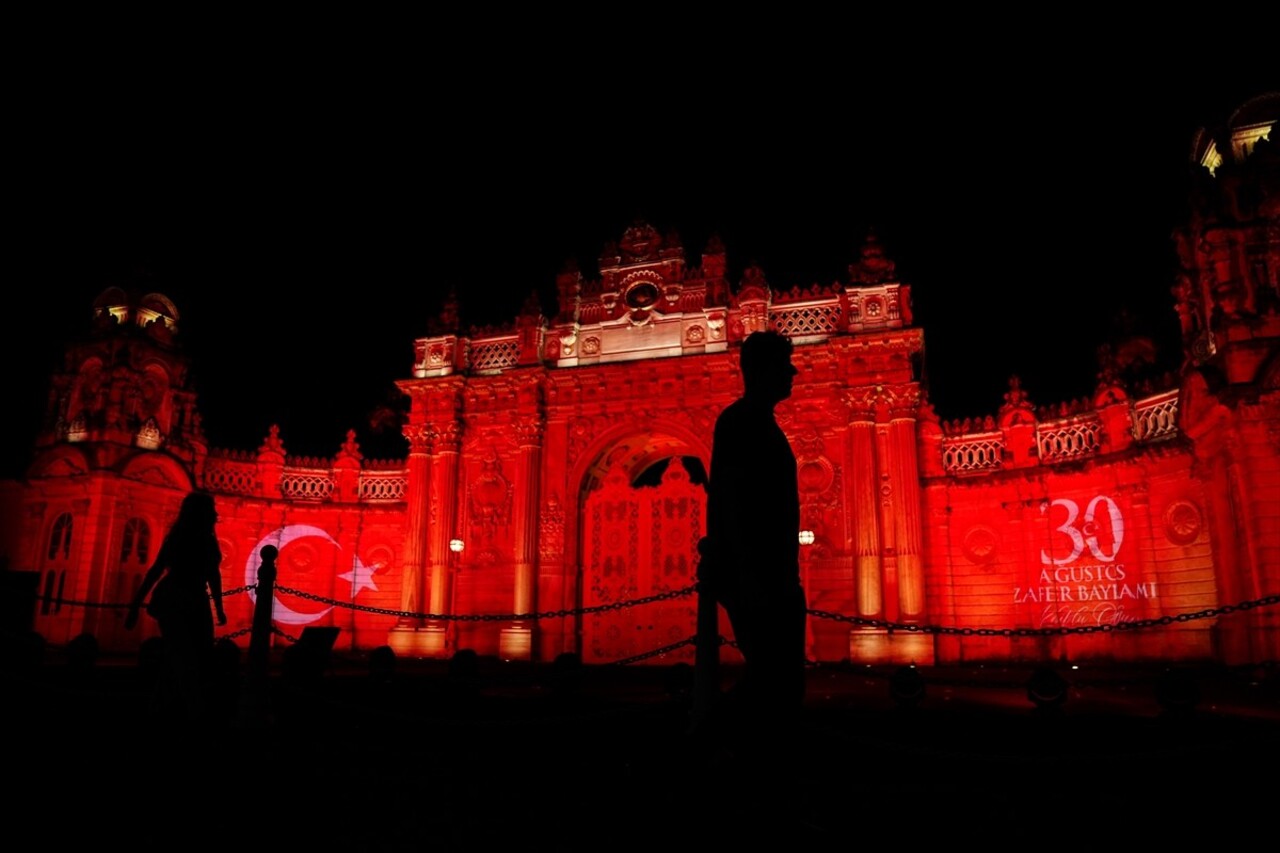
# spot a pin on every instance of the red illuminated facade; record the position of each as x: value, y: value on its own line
x: 554, y: 471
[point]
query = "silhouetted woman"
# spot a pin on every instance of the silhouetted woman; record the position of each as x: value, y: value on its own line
x: 183, y: 578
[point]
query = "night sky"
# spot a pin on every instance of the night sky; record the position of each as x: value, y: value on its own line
x: 308, y: 226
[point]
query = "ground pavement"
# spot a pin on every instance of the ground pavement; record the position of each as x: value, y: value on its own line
x: 499, y: 756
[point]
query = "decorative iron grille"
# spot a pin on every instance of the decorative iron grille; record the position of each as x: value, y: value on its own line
x: 803, y: 321
x: 494, y: 355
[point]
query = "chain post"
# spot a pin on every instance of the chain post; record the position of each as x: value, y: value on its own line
x: 254, y: 699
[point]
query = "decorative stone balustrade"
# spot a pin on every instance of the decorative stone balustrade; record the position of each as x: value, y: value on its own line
x: 232, y: 476
x: 231, y: 473
x: 306, y: 485
x: 383, y: 486
x: 1156, y: 418
x: 1080, y: 436
x: 1071, y: 438
x: 976, y: 452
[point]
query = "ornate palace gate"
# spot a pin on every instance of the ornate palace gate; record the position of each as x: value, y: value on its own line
x: 638, y: 542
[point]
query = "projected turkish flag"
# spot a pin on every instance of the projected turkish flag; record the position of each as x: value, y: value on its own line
x: 310, y: 560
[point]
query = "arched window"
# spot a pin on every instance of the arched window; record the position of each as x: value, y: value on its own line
x: 135, y: 551
x: 60, y: 538
x: 46, y: 599
x: 135, y: 542
x: 51, y: 602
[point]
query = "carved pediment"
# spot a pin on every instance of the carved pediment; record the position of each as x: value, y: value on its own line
x: 158, y: 470
x: 64, y: 463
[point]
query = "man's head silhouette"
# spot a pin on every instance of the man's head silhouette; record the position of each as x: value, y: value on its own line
x: 766, y: 366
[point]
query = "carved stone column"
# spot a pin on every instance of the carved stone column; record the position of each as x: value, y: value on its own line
x: 906, y: 509
x: 864, y: 510
x: 413, y: 573
x: 885, y: 486
x: 864, y: 505
x: 516, y: 640
x: 442, y: 517
x: 905, y: 502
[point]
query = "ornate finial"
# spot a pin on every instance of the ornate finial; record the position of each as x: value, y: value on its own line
x: 447, y: 321
x: 676, y: 472
x: 149, y: 437
x: 350, y: 448
x: 273, y: 444
x: 753, y: 276
x: 1017, y: 408
x: 1015, y: 396
x: 640, y: 242
x: 873, y: 266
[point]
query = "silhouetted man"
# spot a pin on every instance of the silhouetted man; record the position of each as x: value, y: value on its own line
x: 751, y: 554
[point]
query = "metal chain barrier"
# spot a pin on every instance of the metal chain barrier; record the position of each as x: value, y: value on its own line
x: 1135, y: 625
x: 493, y: 617
x: 890, y: 626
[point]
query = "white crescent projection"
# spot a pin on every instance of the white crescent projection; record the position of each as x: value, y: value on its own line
x: 360, y: 576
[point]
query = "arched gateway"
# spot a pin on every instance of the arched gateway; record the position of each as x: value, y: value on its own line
x: 530, y: 445
x: 554, y: 471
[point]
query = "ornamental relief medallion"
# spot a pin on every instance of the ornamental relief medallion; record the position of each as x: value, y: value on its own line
x: 1183, y: 522
x: 814, y: 475
x: 980, y: 545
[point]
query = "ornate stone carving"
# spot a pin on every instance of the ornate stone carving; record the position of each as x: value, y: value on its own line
x: 418, y: 436
x: 1183, y: 522
x: 527, y: 432
x: 490, y: 497
x: 447, y: 437
x: 874, y: 266
x: 551, y: 530
x: 640, y: 242
x: 980, y: 545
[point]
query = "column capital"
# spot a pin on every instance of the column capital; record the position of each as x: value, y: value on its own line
x: 528, y: 432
